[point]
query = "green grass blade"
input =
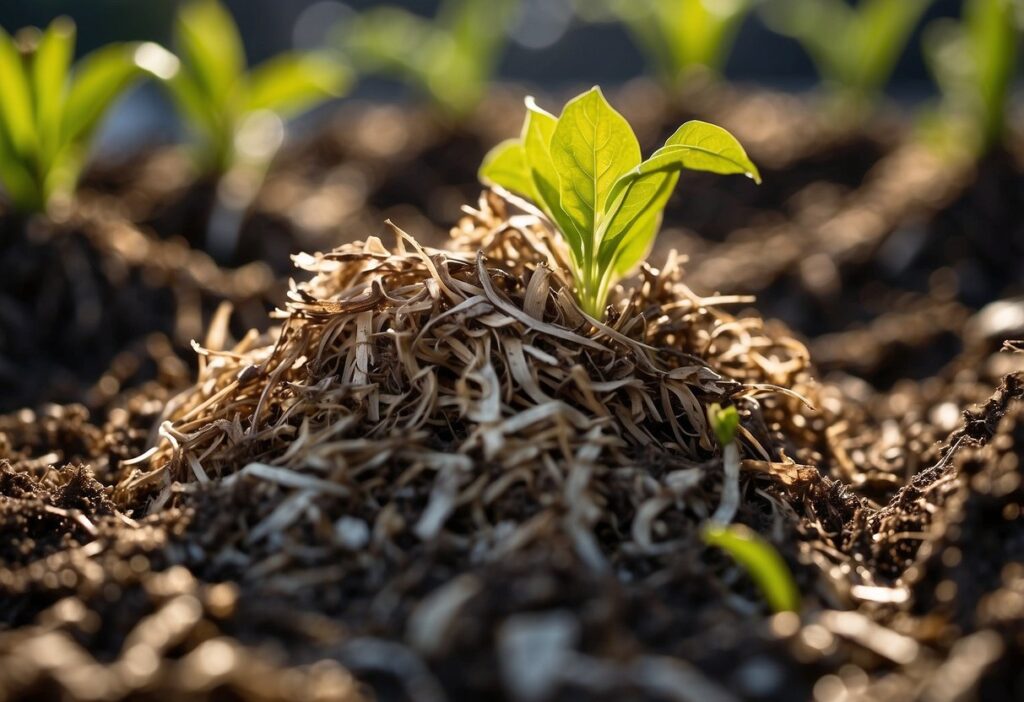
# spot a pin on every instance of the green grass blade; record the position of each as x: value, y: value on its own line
x: 760, y: 559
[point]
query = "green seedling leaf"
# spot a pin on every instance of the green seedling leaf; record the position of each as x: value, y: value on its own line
x: 853, y: 48
x: 15, y: 98
x: 505, y: 165
x: 681, y: 36
x: 724, y: 422
x: 973, y: 62
x: 450, y: 59
x: 292, y: 83
x: 97, y: 79
x: 591, y: 148
x: 218, y: 98
x: 696, y: 145
x: 764, y: 564
x: 49, y: 113
x: 210, y: 46
x: 50, y: 68
x: 583, y: 170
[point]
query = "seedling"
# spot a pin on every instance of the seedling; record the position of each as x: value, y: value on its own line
x: 724, y: 423
x: 49, y: 113
x: 236, y: 114
x: 753, y: 553
x: 450, y: 58
x: 973, y: 63
x: 584, y: 171
x: 682, y: 37
x: 854, y: 48
x: 764, y: 564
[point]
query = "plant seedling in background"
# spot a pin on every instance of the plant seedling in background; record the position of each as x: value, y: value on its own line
x: 237, y: 114
x: 49, y: 112
x: 682, y: 37
x: 450, y: 58
x: 973, y: 62
x: 584, y: 171
x: 227, y: 106
x: 855, y: 49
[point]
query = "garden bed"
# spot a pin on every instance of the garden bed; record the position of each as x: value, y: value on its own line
x: 294, y: 508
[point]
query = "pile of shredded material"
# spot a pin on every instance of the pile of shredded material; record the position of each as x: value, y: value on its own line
x: 437, y: 391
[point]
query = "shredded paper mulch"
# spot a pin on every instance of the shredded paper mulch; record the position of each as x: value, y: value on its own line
x: 435, y: 478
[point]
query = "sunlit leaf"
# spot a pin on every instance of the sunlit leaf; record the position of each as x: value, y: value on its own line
x: 208, y: 43
x: 15, y: 98
x: 696, y: 146
x: 449, y: 58
x: 583, y: 170
x: 96, y: 81
x: 538, y: 131
x: 50, y: 66
x: 854, y: 48
x: 680, y: 35
x: 291, y: 83
x: 764, y: 564
x: 505, y: 165
x: 591, y: 148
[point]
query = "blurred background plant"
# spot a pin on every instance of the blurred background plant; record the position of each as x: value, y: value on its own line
x: 49, y: 112
x: 974, y: 61
x: 237, y: 114
x: 854, y: 48
x: 450, y: 59
x: 681, y: 39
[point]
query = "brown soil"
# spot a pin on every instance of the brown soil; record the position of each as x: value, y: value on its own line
x: 90, y: 305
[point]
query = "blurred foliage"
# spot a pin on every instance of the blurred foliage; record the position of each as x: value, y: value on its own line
x: 854, y: 49
x: 234, y: 112
x: 678, y: 37
x: 973, y: 62
x: 49, y: 112
x: 450, y: 58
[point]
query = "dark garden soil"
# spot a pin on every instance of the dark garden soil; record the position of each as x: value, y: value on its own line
x: 89, y: 305
x: 425, y: 479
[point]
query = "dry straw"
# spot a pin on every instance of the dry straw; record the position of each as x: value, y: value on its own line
x: 416, y: 384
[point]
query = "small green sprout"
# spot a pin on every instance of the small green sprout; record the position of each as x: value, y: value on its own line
x: 764, y: 564
x: 236, y: 113
x: 450, y: 58
x: 49, y: 112
x: 724, y: 422
x: 855, y: 49
x: 682, y: 37
x: 973, y: 62
x: 584, y: 171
